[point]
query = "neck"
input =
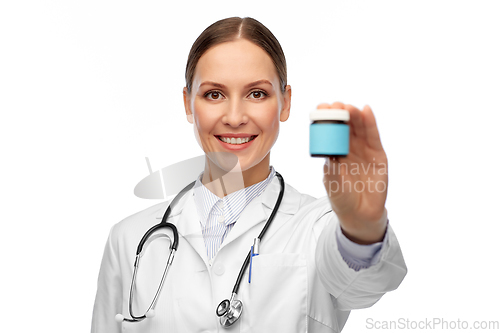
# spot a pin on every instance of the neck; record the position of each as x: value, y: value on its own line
x: 222, y: 182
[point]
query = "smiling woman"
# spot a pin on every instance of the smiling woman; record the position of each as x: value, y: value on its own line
x: 236, y: 104
x: 319, y: 259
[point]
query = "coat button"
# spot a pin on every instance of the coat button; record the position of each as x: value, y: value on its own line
x: 219, y: 269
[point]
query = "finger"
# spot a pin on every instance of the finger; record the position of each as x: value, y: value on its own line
x: 356, y: 122
x: 372, y: 133
x: 338, y: 105
x: 335, y: 105
x: 323, y: 106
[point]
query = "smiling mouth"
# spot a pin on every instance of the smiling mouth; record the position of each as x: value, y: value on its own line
x: 236, y: 141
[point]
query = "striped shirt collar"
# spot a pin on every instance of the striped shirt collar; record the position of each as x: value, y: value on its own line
x: 232, y: 205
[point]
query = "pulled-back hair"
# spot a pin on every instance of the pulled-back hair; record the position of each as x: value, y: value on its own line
x: 230, y: 29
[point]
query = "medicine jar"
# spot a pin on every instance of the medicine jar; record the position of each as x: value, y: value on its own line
x: 329, y: 133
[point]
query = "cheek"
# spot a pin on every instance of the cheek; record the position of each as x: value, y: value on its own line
x: 270, y: 118
x: 203, y: 118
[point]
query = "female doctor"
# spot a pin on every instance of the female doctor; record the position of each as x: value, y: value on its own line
x: 319, y: 259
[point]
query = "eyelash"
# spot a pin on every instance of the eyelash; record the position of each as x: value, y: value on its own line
x: 216, y: 91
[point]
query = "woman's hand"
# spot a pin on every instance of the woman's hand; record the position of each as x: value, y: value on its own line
x: 357, y: 184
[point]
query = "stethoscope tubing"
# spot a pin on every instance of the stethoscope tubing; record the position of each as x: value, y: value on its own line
x: 261, y: 235
x: 148, y: 236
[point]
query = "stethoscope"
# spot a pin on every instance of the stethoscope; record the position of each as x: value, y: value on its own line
x: 229, y: 310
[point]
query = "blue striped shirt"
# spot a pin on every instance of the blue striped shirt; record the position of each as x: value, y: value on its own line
x: 218, y: 215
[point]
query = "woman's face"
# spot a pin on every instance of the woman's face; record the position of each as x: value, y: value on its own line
x: 236, y: 92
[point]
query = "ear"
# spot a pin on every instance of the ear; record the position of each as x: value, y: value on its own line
x: 287, y: 97
x: 187, y: 105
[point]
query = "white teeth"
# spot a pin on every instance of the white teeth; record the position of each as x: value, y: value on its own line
x: 235, y: 141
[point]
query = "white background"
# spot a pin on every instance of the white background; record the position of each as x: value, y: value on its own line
x: 88, y: 89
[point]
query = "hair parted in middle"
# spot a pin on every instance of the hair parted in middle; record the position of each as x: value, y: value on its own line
x: 233, y: 28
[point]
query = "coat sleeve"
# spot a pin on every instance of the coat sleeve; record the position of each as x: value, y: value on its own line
x: 357, y: 289
x: 108, y: 300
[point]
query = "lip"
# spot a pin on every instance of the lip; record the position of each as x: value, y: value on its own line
x: 236, y: 135
x: 236, y: 147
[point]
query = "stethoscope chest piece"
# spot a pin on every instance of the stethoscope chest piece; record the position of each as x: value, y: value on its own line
x: 229, y: 311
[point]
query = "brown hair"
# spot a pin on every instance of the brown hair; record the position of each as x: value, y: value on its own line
x: 230, y: 29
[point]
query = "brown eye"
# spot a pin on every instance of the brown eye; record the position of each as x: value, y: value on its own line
x: 258, y: 94
x: 213, y: 95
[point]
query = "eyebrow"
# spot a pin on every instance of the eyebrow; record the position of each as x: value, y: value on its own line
x: 252, y: 84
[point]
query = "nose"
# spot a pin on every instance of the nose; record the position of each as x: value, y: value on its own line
x: 235, y: 114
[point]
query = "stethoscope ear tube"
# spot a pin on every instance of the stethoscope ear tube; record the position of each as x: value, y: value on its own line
x: 148, y: 236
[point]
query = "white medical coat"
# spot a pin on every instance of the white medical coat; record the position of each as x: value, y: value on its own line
x: 300, y: 283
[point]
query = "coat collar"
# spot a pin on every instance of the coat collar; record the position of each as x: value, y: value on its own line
x: 257, y: 211
x: 289, y: 204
